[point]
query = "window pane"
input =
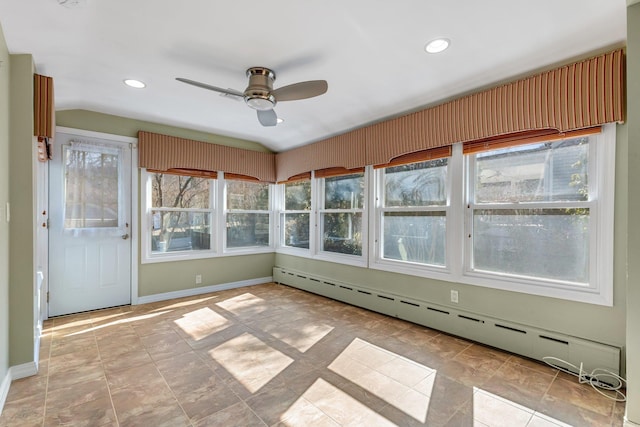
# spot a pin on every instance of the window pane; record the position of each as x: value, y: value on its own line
x: 247, y: 229
x: 546, y: 243
x: 416, y: 184
x: 415, y: 237
x: 247, y: 195
x: 297, y: 196
x: 537, y: 172
x: 296, y: 230
x: 342, y: 233
x: 91, y: 189
x: 344, y: 192
x: 174, y: 191
x: 180, y: 231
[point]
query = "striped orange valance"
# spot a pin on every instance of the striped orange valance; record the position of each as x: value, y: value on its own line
x: 345, y: 151
x: 478, y: 146
x: 43, y: 106
x: 581, y: 95
x: 164, y: 152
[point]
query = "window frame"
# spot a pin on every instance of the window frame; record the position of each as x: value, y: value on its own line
x: 217, y: 199
x: 319, y: 209
x: 146, y: 221
x: 282, y: 210
x: 602, y: 194
x: 226, y: 211
x: 601, y: 181
x: 379, y: 262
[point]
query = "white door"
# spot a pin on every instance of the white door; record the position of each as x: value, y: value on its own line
x: 89, y: 224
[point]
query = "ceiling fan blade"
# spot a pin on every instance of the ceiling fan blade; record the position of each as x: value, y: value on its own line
x: 300, y: 90
x: 214, y: 88
x: 267, y: 117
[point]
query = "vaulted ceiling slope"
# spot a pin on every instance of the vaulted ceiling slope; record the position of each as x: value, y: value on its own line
x: 371, y: 53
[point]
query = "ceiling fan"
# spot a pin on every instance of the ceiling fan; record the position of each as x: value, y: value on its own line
x: 261, y: 96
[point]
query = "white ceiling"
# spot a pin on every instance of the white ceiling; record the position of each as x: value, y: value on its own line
x: 371, y: 52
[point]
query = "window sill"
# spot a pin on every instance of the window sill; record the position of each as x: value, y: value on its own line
x: 185, y: 256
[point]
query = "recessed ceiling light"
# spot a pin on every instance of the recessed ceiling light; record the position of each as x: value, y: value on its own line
x: 437, y: 45
x: 134, y: 83
x: 279, y: 120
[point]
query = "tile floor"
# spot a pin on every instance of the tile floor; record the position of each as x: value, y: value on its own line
x: 271, y: 355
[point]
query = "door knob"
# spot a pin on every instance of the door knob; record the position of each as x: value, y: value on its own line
x: 125, y: 236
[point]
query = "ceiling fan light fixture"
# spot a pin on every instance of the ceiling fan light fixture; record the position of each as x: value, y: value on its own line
x: 260, y: 102
x: 437, y: 45
x: 137, y: 84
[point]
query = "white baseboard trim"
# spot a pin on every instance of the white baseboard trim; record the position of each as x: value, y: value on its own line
x: 202, y: 290
x: 23, y: 371
x: 15, y: 373
x: 4, y: 389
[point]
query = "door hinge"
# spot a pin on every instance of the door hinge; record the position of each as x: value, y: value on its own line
x: 47, y: 296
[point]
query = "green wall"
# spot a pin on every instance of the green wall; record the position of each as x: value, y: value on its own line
x: 633, y: 238
x: 98, y: 122
x: 4, y: 198
x: 21, y: 226
x: 180, y: 275
x: 157, y: 278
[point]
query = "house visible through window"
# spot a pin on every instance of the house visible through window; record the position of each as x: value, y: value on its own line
x: 530, y: 209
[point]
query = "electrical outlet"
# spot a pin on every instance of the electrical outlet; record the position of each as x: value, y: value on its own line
x: 198, y: 279
x: 454, y: 296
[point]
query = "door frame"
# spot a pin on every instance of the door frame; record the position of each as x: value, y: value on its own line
x: 134, y: 202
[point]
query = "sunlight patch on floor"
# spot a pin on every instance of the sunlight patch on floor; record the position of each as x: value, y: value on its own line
x: 328, y: 405
x: 199, y: 324
x: 302, y: 337
x: 492, y: 410
x: 401, y: 382
x: 245, y: 304
x: 252, y: 362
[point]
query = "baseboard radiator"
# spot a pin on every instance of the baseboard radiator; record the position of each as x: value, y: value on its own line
x: 517, y: 338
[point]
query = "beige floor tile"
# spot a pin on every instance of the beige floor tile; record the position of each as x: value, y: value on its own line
x: 238, y: 415
x: 273, y: 355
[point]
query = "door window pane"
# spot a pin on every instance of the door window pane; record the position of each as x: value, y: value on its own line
x: 92, y: 188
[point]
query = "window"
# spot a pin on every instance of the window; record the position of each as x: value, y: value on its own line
x: 539, y: 217
x: 413, y: 212
x: 92, y: 188
x: 341, y: 213
x: 248, y: 214
x: 181, y: 213
x: 530, y: 209
x: 296, y: 216
x: 534, y: 218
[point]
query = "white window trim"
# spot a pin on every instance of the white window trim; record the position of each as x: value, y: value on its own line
x: 270, y: 248
x: 218, y: 225
x: 600, y: 290
x: 280, y: 209
x: 318, y: 198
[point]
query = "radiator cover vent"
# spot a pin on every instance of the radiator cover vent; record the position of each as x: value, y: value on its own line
x: 524, y: 340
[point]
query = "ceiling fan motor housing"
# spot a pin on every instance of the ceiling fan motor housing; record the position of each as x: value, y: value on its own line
x: 258, y: 94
